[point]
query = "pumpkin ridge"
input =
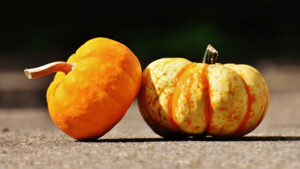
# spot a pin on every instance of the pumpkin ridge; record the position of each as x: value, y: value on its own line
x: 154, y: 124
x: 208, y: 110
x: 248, y: 126
x: 242, y: 127
x: 188, y: 91
x: 162, y: 89
x: 143, y: 95
x: 51, y: 87
x: 266, y: 105
x: 263, y: 114
x: 171, y: 115
x: 54, y: 90
x: 124, y: 76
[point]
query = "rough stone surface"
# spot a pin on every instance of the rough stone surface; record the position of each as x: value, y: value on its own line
x: 29, y: 139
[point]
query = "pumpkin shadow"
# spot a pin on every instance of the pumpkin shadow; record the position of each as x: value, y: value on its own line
x: 203, y: 139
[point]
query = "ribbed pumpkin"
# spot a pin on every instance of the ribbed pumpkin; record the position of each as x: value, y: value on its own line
x: 180, y: 98
x: 94, y: 89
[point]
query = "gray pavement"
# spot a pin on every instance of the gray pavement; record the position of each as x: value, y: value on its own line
x: 29, y: 139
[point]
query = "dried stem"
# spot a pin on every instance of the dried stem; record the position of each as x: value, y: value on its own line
x: 211, y: 53
x: 48, y: 69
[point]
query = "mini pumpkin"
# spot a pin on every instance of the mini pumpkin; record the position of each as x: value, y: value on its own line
x: 180, y: 98
x: 92, y: 90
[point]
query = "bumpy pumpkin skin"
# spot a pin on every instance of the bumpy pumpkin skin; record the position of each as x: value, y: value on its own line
x: 180, y: 98
x: 91, y: 99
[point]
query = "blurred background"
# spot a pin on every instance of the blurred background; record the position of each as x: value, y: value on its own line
x: 263, y: 34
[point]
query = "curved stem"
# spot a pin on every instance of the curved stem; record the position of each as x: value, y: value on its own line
x: 211, y: 53
x: 48, y: 69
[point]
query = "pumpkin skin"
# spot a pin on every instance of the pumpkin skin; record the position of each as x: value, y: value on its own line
x: 180, y: 98
x: 93, y: 97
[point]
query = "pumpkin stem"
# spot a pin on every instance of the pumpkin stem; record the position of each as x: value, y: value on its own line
x: 211, y: 53
x: 48, y: 69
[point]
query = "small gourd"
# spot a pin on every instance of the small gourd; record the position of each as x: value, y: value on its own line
x: 92, y: 90
x: 180, y: 98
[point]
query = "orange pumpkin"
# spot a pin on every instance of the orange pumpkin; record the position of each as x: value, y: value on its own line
x: 180, y: 98
x: 93, y: 89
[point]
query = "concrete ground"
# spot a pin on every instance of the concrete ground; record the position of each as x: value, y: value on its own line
x: 29, y: 139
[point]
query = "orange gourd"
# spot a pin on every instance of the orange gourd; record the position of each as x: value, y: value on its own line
x: 180, y: 98
x: 92, y: 90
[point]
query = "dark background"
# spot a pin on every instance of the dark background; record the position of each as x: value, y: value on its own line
x: 36, y: 33
x: 243, y: 32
